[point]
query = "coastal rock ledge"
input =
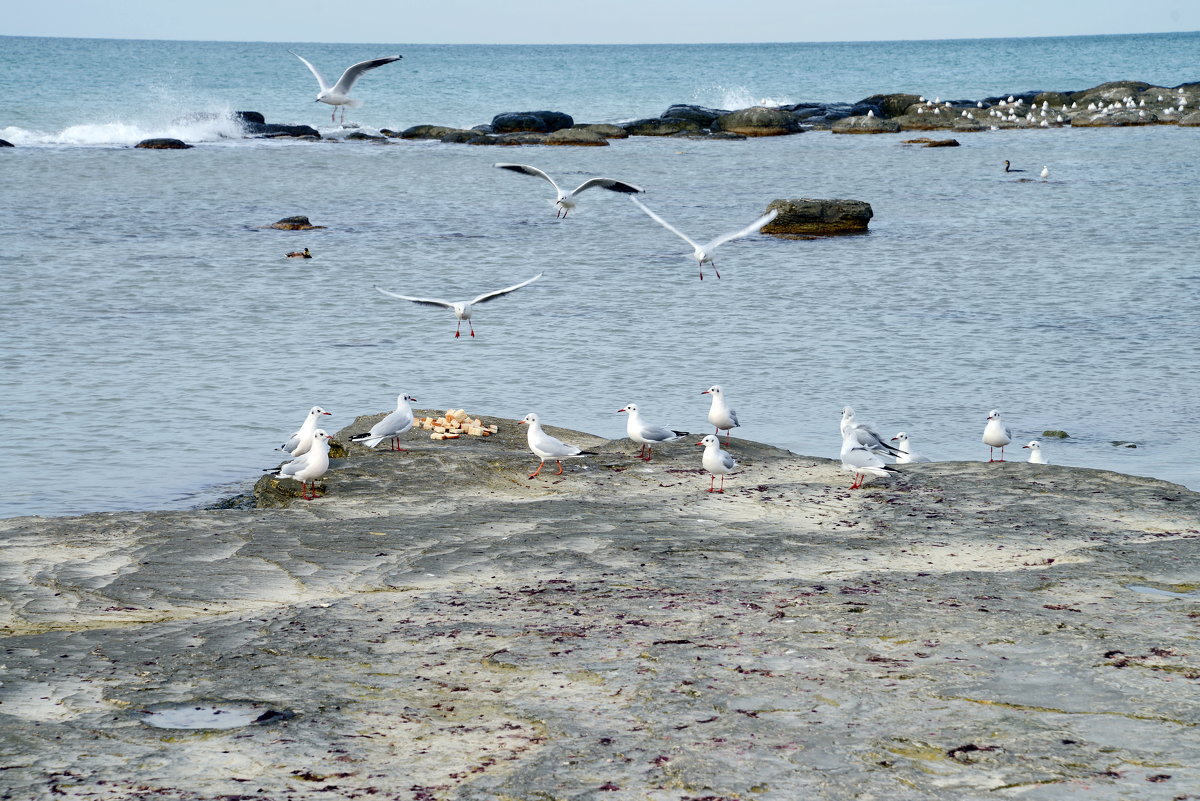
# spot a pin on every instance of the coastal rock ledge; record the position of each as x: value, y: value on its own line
x: 813, y: 217
x: 162, y: 144
x: 439, y: 627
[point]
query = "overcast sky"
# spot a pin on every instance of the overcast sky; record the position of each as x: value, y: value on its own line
x: 588, y: 21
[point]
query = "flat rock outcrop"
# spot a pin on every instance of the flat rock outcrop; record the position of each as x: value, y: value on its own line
x: 275, y: 130
x: 298, y: 223
x: 657, y: 126
x: 579, y: 137
x: 865, y: 125
x: 811, y: 216
x: 439, y: 626
x: 699, y: 114
x: 606, y: 130
x: 531, y: 121
x: 427, y: 132
x: 758, y: 121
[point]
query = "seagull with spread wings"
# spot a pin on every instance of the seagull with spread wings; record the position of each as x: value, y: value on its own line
x: 566, y: 200
x: 462, y: 308
x: 337, y: 94
x: 703, y: 253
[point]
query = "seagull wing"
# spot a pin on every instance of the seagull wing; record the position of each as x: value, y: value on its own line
x: 490, y: 295
x: 663, y: 222
x: 426, y: 301
x: 313, y: 70
x: 527, y: 170
x: 354, y: 71
x: 752, y: 228
x: 609, y: 184
x: 727, y: 461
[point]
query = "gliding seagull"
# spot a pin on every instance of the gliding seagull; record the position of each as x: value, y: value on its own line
x: 462, y: 308
x: 566, y: 200
x: 336, y: 95
x: 703, y: 253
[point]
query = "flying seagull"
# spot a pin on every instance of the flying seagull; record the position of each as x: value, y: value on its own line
x: 337, y: 94
x: 462, y: 308
x: 566, y: 200
x: 703, y: 253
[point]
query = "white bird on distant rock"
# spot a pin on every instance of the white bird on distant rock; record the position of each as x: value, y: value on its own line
x: 996, y: 435
x: 716, y: 461
x: 312, y: 465
x: 859, y: 460
x: 906, y: 455
x: 645, y: 434
x: 299, y: 442
x: 546, y: 447
x: 719, y: 413
x: 337, y: 94
x: 864, y: 434
x: 390, y: 427
x: 1035, y: 452
x: 566, y: 200
x: 703, y: 253
x: 462, y: 308
x: 1045, y: 173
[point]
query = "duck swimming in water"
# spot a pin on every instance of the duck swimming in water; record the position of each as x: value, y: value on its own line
x: 299, y: 254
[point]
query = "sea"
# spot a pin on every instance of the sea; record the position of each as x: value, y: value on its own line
x: 157, y: 346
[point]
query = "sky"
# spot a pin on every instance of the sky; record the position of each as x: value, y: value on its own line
x: 590, y: 22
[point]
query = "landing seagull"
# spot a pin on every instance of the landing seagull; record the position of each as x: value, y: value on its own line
x: 703, y: 253
x: 646, y: 434
x: 716, y: 461
x: 546, y: 447
x: 462, y: 308
x: 336, y: 95
x: 390, y: 427
x: 566, y: 200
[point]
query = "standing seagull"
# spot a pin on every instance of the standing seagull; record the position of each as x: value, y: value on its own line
x: 336, y: 95
x: 996, y: 435
x: 390, y: 427
x: 300, y: 442
x: 716, y: 461
x: 703, y: 253
x: 1035, y: 453
x: 462, y: 308
x: 546, y: 447
x: 719, y: 413
x: 648, y: 435
x: 566, y: 200
x: 859, y: 459
x: 312, y: 465
x: 906, y: 456
x: 864, y: 434
x: 1045, y: 173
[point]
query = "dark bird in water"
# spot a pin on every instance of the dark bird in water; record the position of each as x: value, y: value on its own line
x: 300, y: 254
x: 1008, y: 167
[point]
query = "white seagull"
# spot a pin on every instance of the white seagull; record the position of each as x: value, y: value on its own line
x: 996, y: 435
x: 906, y: 456
x: 864, y: 434
x: 1035, y: 453
x: 390, y: 427
x: 1045, y: 173
x: 719, y: 413
x: 646, y: 434
x: 566, y: 200
x: 703, y: 253
x: 336, y: 95
x: 462, y: 308
x: 716, y: 461
x: 309, y: 467
x: 859, y: 460
x: 546, y: 447
x: 299, y: 442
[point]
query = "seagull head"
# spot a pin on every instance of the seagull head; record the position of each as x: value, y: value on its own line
x: 530, y: 419
x: 321, y: 434
x: 847, y: 413
x: 994, y: 414
x: 407, y: 397
x: 709, y: 440
x: 317, y: 411
x: 1034, y: 445
x: 715, y: 389
x: 632, y: 407
x: 901, y: 437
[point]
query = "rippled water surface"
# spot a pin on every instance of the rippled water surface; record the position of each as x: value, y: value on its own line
x: 158, y: 345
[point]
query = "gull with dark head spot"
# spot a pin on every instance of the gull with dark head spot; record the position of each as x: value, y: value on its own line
x: 337, y: 94
x: 566, y: 200
x: 646, y: 434
x: 860, y: 460
x: 312, y: 465
x: 864, y: 434
x: 704, y: 253
x: 299, y: 442
x: 462, y: 308
x: 996, y: 435
x: 716, y: 461
x: 1035, y: 453
x: 546, y: 447
x: 719, y: 413
x: 906, y: 455
x: 390, y: 427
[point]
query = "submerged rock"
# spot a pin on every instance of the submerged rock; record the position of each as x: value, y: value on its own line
x: 274, y: 130
x: 700, y: 114
x: 1055, y: 433
x: 811, y: 216
x: 759, y: 121
x: 607, y: 130
x: 299, y: 223
x: 427, y: 132
x: 657, y: 126
x: 927, y: 142
x: 865, y: 125
x: 576, y: 136
x: 360, y: 136
x: 163, y: 144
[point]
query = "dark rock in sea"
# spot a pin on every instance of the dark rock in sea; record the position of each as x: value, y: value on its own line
x: 892, y: 105
x: 701, y: 114
x: 657, y: 126
x: 162, y: 144
x: 5, y: 143
x: 299, y: 223
x: 464, y: 138
x: 865, y: 125
x: 274, y: 130
x: 720, y: 136
x: 927, y: 142
x: 389, y: 133
x: 1055, y: 433
x: 759, y: 121
x: 249, y: 116
x: 607, y: 130
x: 427, y: 132
x: 527, y: 138
x: 967, y: 125
x: 360, y: 136
x: 531, y: 121
x: 1055, y: 99
x: 811, y: 216
x: 576, y: 136
x: 483, y: 128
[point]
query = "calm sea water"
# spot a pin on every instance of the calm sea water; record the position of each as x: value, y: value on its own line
x: 157, y: 345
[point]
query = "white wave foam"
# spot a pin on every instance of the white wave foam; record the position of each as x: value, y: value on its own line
x: 200, y: 127
x: 735, y: 97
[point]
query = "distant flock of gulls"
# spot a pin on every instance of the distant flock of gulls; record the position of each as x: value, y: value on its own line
x: 863, y: 449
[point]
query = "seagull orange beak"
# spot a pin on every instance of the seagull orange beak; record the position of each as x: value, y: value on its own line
x: 621, y: 410
x: 699, y: 443
x: 520, y: 422
x: 705, y: 392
